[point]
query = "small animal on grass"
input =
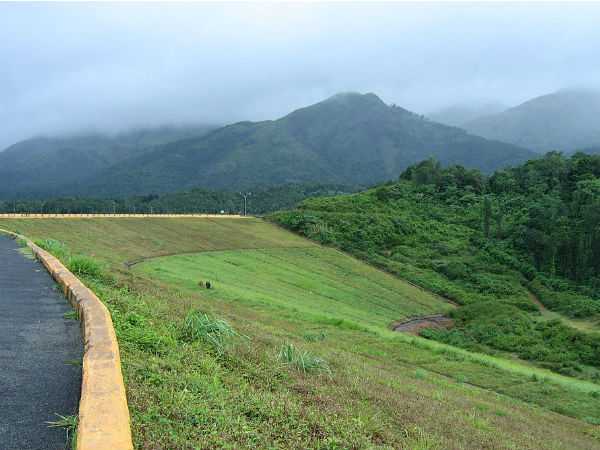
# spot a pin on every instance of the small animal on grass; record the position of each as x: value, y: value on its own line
x: 201, y: 283
x: 208, y: 285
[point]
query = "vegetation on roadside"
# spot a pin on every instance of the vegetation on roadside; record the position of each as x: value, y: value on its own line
x: 76, y: 264
x: 184, y: 394
x: 69, y: 424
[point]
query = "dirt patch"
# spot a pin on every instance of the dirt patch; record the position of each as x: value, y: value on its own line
x: 414, y: 325
x: 535, y: 300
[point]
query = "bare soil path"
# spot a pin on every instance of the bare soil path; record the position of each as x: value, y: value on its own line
x: 582, y: 325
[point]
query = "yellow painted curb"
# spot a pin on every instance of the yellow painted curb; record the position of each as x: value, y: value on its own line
x: 103, y: 411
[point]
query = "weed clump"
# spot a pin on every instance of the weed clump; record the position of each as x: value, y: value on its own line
x: 78, y: 265
x: 420, y: 374
x: 314, y: 337
x: 56, y: 248
x: 302, y: 360
x: 146, y: 339
x: 69, y: 423
x: 85, y: 265
x: 460, y: 378
x: 200, y: 326
x: 72, y: 314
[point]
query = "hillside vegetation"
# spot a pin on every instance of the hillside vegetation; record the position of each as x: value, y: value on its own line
x: 35, y: 168
x: 484, y: 243
x: 348, y: 138
x: 262, y: 360
x: 565, y: 120
x: 197, y: 200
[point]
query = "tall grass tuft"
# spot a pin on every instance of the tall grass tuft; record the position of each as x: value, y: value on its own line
x: 85, y: 265
x: 22, y: 242
x: 56, y: 248
x: 302, y: 360
x: 200, y: 326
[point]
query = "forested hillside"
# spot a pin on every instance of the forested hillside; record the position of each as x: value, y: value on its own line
x: 485, y: 243
x: 349, y: 138
x: 37, y: 167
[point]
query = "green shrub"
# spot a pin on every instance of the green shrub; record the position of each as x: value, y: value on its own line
x: 199, y: 326
x: 303, y: 361
x: 420, y: 374
x: 85, y: 265
x: 454, y: 270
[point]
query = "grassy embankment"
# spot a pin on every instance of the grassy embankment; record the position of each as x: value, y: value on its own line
x: 387, y: 390
x: 409, y: 230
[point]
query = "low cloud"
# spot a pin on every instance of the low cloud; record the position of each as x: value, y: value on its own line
x: 114, y: 66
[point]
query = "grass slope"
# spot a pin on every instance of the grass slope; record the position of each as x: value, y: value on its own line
x: 120, y: 240
x: 387, y: 390
x: 320, y: 283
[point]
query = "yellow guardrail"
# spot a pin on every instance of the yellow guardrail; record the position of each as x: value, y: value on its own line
x: 70, y: 216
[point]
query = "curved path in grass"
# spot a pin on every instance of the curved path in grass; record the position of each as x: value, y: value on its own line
x: 39, y: 354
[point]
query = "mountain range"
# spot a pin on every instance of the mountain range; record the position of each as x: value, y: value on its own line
x: 457, y: 115
x: 349, y: 138
x: 566, y: 120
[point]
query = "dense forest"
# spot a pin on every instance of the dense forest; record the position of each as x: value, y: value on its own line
x: 486, y: 243
x: 198, y: 200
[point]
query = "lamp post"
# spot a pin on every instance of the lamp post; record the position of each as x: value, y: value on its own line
x: 245, y: 198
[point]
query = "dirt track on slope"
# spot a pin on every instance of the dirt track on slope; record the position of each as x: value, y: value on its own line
x: 414, y: 325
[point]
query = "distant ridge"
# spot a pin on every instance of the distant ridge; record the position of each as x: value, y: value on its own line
x: 457, y: 115
x: 565, y: 120
x: 350, y: 138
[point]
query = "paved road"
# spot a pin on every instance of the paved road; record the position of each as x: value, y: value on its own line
x: 36, y: 344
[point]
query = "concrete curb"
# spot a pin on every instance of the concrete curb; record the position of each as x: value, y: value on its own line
x: 103, y: 411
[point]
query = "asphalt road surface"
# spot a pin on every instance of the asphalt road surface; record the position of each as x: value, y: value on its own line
x: 38, y: 352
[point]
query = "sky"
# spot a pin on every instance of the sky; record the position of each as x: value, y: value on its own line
x: 110, y: 67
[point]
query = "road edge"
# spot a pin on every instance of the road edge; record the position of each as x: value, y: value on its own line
x: 103, y: 410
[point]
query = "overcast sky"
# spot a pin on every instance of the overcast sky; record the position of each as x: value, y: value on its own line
x: 108, y: 67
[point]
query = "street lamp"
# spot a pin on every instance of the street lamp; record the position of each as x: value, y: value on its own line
x: 245, y: 198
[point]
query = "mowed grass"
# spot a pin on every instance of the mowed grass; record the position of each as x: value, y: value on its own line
x: 121, y: 240
x: 386, y: 390
x: 320, y: 283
